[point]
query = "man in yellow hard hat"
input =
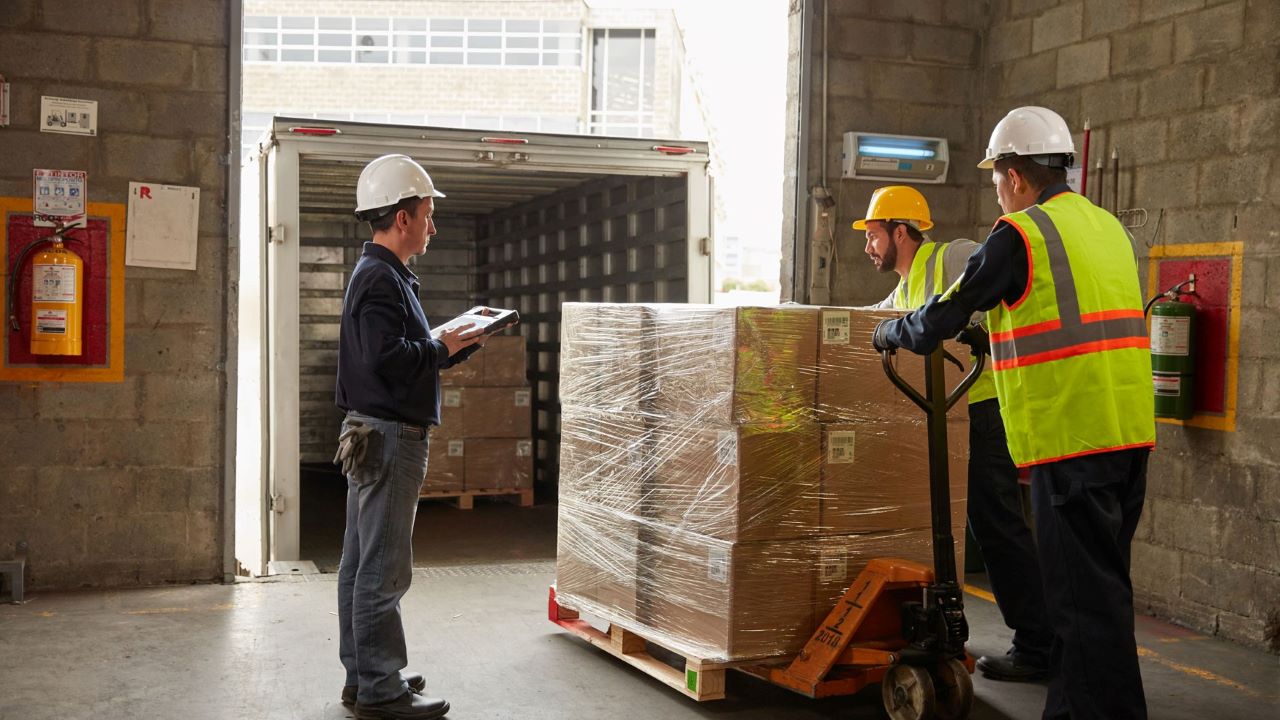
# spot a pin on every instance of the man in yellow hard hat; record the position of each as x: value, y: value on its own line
x: 897, y: 217
x: 1058, y: 278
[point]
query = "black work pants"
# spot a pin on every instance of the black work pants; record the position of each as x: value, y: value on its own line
x: 995, y: 516
x: 1086, y: 511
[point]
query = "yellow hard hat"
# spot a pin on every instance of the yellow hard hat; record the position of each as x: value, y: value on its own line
x: 900, y: 203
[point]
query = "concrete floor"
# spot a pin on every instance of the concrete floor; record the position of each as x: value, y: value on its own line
x: 478, y: 630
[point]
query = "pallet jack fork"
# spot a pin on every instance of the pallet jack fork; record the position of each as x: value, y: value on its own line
x: 900, y: 623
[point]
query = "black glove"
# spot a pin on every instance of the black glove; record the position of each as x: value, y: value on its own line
x: 975, y: 336
x: 880, y: 338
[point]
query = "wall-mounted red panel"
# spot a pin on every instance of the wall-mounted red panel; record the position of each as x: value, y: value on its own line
x: 92, y: 245
x: 1213, y: 317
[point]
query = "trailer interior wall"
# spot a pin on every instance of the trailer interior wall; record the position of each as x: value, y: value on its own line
x: 501, y: 242
x: 1187, y: 95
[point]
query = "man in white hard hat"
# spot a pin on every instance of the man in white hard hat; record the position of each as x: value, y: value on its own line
x: 389, y: 385
x: 1059, y: 281
x: 896, y: 218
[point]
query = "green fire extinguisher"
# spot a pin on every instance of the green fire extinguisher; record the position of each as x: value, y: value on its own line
x: 1173, y: 353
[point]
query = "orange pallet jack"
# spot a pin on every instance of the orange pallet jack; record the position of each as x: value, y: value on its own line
x: 900, y: 623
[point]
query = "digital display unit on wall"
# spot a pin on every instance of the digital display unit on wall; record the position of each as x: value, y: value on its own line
x: 901, y: 158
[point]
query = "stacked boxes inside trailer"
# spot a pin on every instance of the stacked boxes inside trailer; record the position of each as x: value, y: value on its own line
x: 727, y: 472
x: 484, y: 440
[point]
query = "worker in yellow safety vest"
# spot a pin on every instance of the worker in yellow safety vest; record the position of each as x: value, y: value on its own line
x: 1072, y: 367
x: 896, y: 219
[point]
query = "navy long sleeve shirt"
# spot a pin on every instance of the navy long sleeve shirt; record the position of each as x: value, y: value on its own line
x: 388, y: 364
x: 996, y: 273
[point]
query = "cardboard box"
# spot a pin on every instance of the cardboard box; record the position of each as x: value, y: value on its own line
x: 497, y: 412
x: 875, y: 476
x: 452, y: 400
x: 607, y: 355
x: 841, y: 558
x: 745, y: 482
x: 735, y: 365
x: 597, y: 561
x: 499, y: 464
x: 606, y: 458
x: 446, y: 465
x: 504, y: 361
x: 720, y: 600
x: 467, y: 372
x: 852, y: 385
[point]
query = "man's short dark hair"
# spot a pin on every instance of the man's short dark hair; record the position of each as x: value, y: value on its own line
x: 384, y: 223
x: 915, y: 234
x: 1040, y: 176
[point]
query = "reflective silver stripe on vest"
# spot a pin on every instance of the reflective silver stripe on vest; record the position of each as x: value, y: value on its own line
x: 1073, y: 329
x: 1112, y: 329
x: 929, y: 272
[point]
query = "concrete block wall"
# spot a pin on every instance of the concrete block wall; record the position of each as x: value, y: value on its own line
x: 115, y: 484
x: 1187, y: 93
x: 901, y: 68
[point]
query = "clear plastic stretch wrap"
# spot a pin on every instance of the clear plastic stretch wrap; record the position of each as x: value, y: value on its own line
x: 726, y: 472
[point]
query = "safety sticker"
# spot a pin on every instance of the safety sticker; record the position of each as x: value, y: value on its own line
x: 59, y: 196
x: 1170, y: 385
x: 835, y: 327
x: 524, y: 448
x: 51, y: 322
x: 522, y: 398
x: 1170, y: 335
x: 457, y: 448
x: 840, y: 446
x: 718, y: 564
x: 55, y: 283
x: 453, y: 398
x: 833, y: 565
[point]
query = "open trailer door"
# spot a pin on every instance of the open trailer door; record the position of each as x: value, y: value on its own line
x: 530, y: 221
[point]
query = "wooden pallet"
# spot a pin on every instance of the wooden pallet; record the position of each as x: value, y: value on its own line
x: 466, y: 498
x: 701, y: 679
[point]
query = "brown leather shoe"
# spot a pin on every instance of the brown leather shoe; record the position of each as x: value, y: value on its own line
x: 417, y: 684
x: 409, y: 706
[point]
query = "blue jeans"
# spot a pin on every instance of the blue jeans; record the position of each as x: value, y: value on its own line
x: 377, y: 557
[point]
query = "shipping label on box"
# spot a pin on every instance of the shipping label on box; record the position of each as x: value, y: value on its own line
x: 835, y: 327
x: 840, y: 446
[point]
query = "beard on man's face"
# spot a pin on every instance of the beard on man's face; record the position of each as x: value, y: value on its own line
x: 889, y: 259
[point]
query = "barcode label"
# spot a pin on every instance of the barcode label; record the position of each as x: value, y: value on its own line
x: 835, y: 327
x: 727, y: 448
x: 522, y: 398
x: 718, y: 565
x: 524, y: 448
x: 453, y: 398
x: 833, y: 564
x: 457, y: 448
x: 840, y: 444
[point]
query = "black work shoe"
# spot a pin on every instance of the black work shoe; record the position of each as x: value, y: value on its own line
x: 1012, y: 667
x: 417, y: 684
x: 409, y: 706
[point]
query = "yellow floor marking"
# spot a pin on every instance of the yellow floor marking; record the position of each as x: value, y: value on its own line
x: 1154, y: 656
x: 1195, y: 671
x: 172, y: 610
x: 980, y: 593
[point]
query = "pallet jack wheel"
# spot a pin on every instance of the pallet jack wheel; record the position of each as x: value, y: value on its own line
x: 908, y: 694
x: 954, y: 690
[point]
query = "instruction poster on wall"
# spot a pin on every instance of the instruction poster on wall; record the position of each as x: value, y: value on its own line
x: 68, y: 115
x: 58, y: 196
x: 162, y: 226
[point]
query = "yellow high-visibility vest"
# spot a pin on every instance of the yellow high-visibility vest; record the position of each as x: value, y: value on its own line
x: 928, y: 277
x: 1071, y: 357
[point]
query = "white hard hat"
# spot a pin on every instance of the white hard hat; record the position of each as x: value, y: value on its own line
x: 1030, y: 130
x: 388, y: 180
